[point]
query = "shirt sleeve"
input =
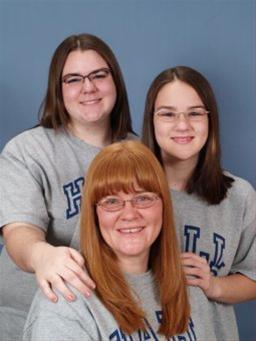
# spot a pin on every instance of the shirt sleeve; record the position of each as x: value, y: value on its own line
x: 21, y: 186
x: 65, y: 321
x: 50, y: 326
x: 245, y: 258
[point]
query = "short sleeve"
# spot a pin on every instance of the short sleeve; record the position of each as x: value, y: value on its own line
x: 245, y: 258
x: 48, y: 321
x: 21, y: 188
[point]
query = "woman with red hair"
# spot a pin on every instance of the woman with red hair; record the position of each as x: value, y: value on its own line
x: 128, y: 241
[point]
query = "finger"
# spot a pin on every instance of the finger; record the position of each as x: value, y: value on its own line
x: 193, y: 256
x: 195, y: 282
x: 79, y: 285
x: 194, y: 272
x: 48, y: 292
x: 59, y: 284
x: 77, y: 257
x: 81, y: 273
x: 186, y: 254
x: 195, y: 262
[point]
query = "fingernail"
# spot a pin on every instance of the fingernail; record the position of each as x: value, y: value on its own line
x: 87, y: 294
x: 71, y: 298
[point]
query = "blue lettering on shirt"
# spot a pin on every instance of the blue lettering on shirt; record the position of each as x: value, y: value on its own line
x: 72, y: 191
x: 192, y: 238
x: 217, y: 262
x: 192, y: 234
x: 150, y: 334
x: 118, y: 335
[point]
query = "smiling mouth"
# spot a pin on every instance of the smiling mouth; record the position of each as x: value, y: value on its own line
x: 91, y: 101
x: 182, y: 139
x: 131, y: 230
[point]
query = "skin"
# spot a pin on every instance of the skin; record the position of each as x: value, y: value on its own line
x: 180, y: 144
x: 89, y: 107
x: 130, y: 232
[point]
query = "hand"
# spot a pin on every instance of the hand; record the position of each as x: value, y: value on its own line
x: 54, y: 266
x: 198, y: 273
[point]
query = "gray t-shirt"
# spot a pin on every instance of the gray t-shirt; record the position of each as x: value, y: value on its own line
x: 88, y: 319
x: 41, y: 175
x: 225, y: 235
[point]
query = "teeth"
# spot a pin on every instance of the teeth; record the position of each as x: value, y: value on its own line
x: 131, y: 230
x: 92, y: 101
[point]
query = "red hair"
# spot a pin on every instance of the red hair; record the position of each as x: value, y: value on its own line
x: 117, y: 168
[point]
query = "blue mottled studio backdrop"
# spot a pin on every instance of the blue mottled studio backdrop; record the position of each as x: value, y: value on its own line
x: 217, y: 37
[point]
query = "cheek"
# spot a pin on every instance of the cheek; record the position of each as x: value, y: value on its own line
x: 157, y: 220
x: 106, y: 222
x: 110, y: 89
x: 204, y: 132
x: 68, y: 96
x: 160, y: 132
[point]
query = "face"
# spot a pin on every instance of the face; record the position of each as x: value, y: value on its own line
x: 131, y: 231
x: 93, y: 100
x: 181, y: 140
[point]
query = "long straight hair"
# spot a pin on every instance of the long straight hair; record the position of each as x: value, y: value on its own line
x: 53, y: 112
x: 116, y: 168
x: 208, y: 180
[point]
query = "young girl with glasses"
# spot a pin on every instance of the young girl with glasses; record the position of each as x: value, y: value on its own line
x: 215, y: 211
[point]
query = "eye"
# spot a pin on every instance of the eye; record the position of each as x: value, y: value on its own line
x: 100, y: 74
x: 168, y: 114
x: 195, y: 113
x: 143, y: 198
x: 110, y: 201
x: 73, y: 80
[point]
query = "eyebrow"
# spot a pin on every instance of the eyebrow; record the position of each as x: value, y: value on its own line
x: 169, y: 107
x: 72, y: 74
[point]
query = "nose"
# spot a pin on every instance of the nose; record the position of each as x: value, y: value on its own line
x: 88, y: 85
x: 182, y: 122
x: 129, y: 212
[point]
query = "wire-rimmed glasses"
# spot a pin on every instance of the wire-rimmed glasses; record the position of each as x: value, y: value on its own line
x: 191, y: 115
x: 113, y: 203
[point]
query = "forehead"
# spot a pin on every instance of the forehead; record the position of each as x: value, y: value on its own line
x: 177, y: 94
x: 83, y: 62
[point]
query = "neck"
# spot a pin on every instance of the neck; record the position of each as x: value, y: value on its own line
x: 134, y: 265
x: 92, y: 133
x: 178, y: 172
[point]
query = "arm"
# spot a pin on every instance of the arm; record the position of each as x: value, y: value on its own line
x: 52, y: 265
x: 231, y: 289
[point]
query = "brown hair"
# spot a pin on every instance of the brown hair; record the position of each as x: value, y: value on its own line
x: 116, y: 168
x: 207, y: 180
x: 54, y: 113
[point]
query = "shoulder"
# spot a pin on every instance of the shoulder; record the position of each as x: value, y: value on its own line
x: 59, y: 321
x: 241, y: 188
x: 34, y: 143
x: 29, y: 138
x: 241, y: 197
x: 42, y: 307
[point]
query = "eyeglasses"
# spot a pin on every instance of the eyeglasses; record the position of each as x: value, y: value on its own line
x: 115, y: 203
x: 192, y: 115
x: 97, y: 77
